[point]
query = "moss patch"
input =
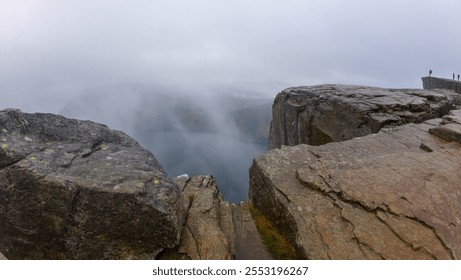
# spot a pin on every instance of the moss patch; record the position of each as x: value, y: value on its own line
x: 191, y: 200
x: 172, y: 254
x: 276, y: 244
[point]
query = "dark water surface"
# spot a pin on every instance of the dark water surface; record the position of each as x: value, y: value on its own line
x: 226, y: 157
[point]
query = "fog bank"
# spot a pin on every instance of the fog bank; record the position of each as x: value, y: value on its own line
x: 129, y: 64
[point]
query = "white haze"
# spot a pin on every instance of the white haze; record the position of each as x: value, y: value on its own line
x: 100, y: 60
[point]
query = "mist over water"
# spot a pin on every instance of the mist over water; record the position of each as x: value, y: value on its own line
x: 193, y: 81
x: 195, y: 153
x: 194, y: 134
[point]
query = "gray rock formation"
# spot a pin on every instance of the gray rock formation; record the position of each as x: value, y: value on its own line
x: 321, y: 114
x: 441, y: 83
x: 215, y: 229
x: 2, y: 257
x: 390, y: 195
x: 450, y: 129
x: 77, y: 190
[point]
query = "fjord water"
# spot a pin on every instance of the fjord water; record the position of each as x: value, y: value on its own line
x: 225, y: 157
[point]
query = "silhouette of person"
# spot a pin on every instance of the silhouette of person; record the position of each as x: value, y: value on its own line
x: 458, y: 77
x: 430, y: 72
x: 453, y: 76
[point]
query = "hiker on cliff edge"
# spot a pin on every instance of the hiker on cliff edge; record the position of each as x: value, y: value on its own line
x: 458, y: 77
x: 430, y: 72
x: 453, y: 76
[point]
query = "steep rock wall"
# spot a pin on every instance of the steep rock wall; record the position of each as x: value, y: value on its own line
x: 440, y: 83
x: 321, y: 114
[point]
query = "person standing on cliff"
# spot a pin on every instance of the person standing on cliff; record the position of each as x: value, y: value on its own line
x: 453, y: 76
x: 458, y: 77
x: 430, y: 72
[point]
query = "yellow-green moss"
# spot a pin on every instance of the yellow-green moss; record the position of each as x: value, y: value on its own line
x: 191, y: 199
x: 275, y: 243
x: 172, y: 254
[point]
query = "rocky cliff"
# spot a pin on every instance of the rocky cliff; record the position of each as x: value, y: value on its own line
x: 321, y: 114
x: 77, y: 190
x: 215, y: 229
x: 388, y: 195
x: 441, y: 83
x: 383, y: 183
x: 74, y: 189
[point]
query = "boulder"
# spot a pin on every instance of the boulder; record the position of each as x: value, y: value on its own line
x: 215, y: 229
x: 73, y: 189
x: 321, y: 114
x: 450, y: 129
x: 391, y: 195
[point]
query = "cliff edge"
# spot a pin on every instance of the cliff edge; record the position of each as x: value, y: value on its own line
x: 441, y: 83
x: 392, y: 193
x: 74, y: 189
x: 317, y: 115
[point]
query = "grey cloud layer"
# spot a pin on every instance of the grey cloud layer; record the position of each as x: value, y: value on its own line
x: 54, y: 49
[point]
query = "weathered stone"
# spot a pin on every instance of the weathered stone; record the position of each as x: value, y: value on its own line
x: 216, y: 229
x: 451, y: 128
x: 452, y: 117
x: 203, y: 237
x: 377, y: 197
x: 321, y: 114
x: 74, y: 189
x: 2, y: 257
x: 449, y: 132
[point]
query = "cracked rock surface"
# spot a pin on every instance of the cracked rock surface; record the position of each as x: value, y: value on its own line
x: 317, y: 115
x: 216, y: 229
x: 391, y: 195
x: 74, y: 189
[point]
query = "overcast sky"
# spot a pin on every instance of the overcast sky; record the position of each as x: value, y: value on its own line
x: 53, y: 50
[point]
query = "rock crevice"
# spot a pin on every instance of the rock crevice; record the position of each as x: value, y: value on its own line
x: 215, y: 228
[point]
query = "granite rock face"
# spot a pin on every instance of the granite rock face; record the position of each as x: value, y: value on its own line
x: 321, y: 114
x: 391, y: 195
x: 216, y: 229
x: 74, y: 189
